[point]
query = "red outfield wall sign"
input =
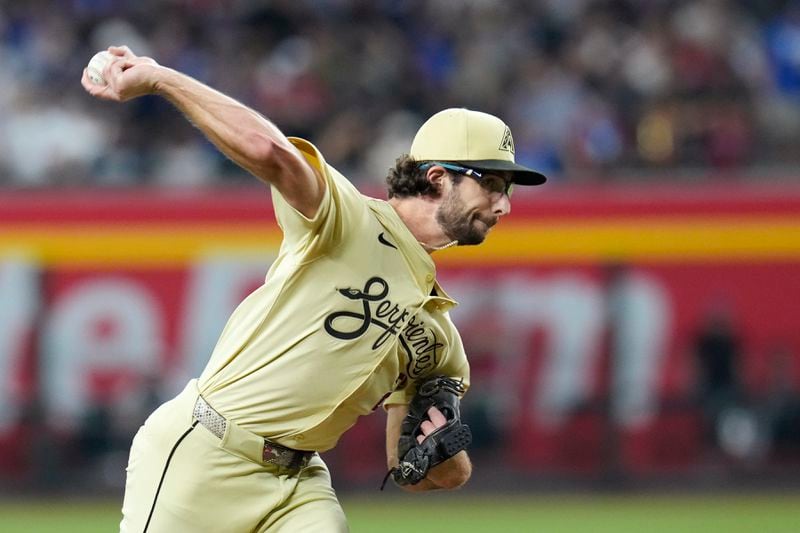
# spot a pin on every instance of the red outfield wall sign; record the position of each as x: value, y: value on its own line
x: 581, y: 308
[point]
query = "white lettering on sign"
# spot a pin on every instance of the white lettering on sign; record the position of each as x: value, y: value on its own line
x: 101, y: 325
x: 575, y: 315
x: 641, y: 317
x: 19, y: 302
x: 111, y: 325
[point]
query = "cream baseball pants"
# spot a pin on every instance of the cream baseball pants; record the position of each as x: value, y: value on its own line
x: 182, y: 478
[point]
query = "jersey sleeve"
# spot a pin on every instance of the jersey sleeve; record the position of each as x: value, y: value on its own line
x: 454, y: 365
x: 342, y: 210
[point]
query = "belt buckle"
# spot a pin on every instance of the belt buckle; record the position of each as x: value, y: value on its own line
x: 285, y: 457
x: 270, y: 454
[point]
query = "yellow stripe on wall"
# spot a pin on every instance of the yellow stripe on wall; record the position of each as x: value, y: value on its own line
x: 637, y: 240
x: 651, y: 239
x: 143, y: 246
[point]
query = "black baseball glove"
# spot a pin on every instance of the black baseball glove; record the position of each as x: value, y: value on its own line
x: 417, y: 458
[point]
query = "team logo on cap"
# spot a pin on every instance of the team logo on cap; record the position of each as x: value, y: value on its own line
x: 507, y: 144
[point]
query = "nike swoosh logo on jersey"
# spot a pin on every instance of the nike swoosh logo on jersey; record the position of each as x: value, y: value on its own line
x: 383, y: 241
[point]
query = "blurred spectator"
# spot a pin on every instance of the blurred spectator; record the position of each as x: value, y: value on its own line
x: 781, y: 404
x: 45, y: 143
x: 95, y: 436
x: 696, y: 85
x: 717, y: 352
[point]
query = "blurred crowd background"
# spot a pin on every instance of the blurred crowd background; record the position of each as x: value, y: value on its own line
x: 653, y: 89
x: 698, y: 344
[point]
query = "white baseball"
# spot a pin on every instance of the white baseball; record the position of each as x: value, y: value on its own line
x: 96, y: 65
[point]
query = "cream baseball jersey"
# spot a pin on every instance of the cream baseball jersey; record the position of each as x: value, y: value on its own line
x: 350, y: 315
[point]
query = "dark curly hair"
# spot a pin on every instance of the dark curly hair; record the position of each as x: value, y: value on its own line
x: 407, y: 179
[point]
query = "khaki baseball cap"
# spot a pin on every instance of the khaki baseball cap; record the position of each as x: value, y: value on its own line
x: 474, y: 139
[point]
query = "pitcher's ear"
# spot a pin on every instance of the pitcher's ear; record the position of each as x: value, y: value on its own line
x: 436, y: 175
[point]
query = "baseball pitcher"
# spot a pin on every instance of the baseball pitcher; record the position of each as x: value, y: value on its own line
x: 349, y: 318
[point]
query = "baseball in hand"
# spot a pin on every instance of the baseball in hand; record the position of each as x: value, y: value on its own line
x: 96, y: 65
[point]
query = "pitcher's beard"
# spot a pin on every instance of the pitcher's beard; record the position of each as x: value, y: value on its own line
x: 458, y: 224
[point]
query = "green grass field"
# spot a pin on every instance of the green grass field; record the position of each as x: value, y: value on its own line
x: 763, y: 513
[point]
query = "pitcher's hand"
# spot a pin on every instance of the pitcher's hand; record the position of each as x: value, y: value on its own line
x: 127, y: 76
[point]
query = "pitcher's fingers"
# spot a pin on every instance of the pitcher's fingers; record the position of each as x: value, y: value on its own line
x: 427, y: 428
x: 121, y: 51
x: 112, y: 72
x: 437, y: 417
x: 86, y: 82
x: 91, y: 87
